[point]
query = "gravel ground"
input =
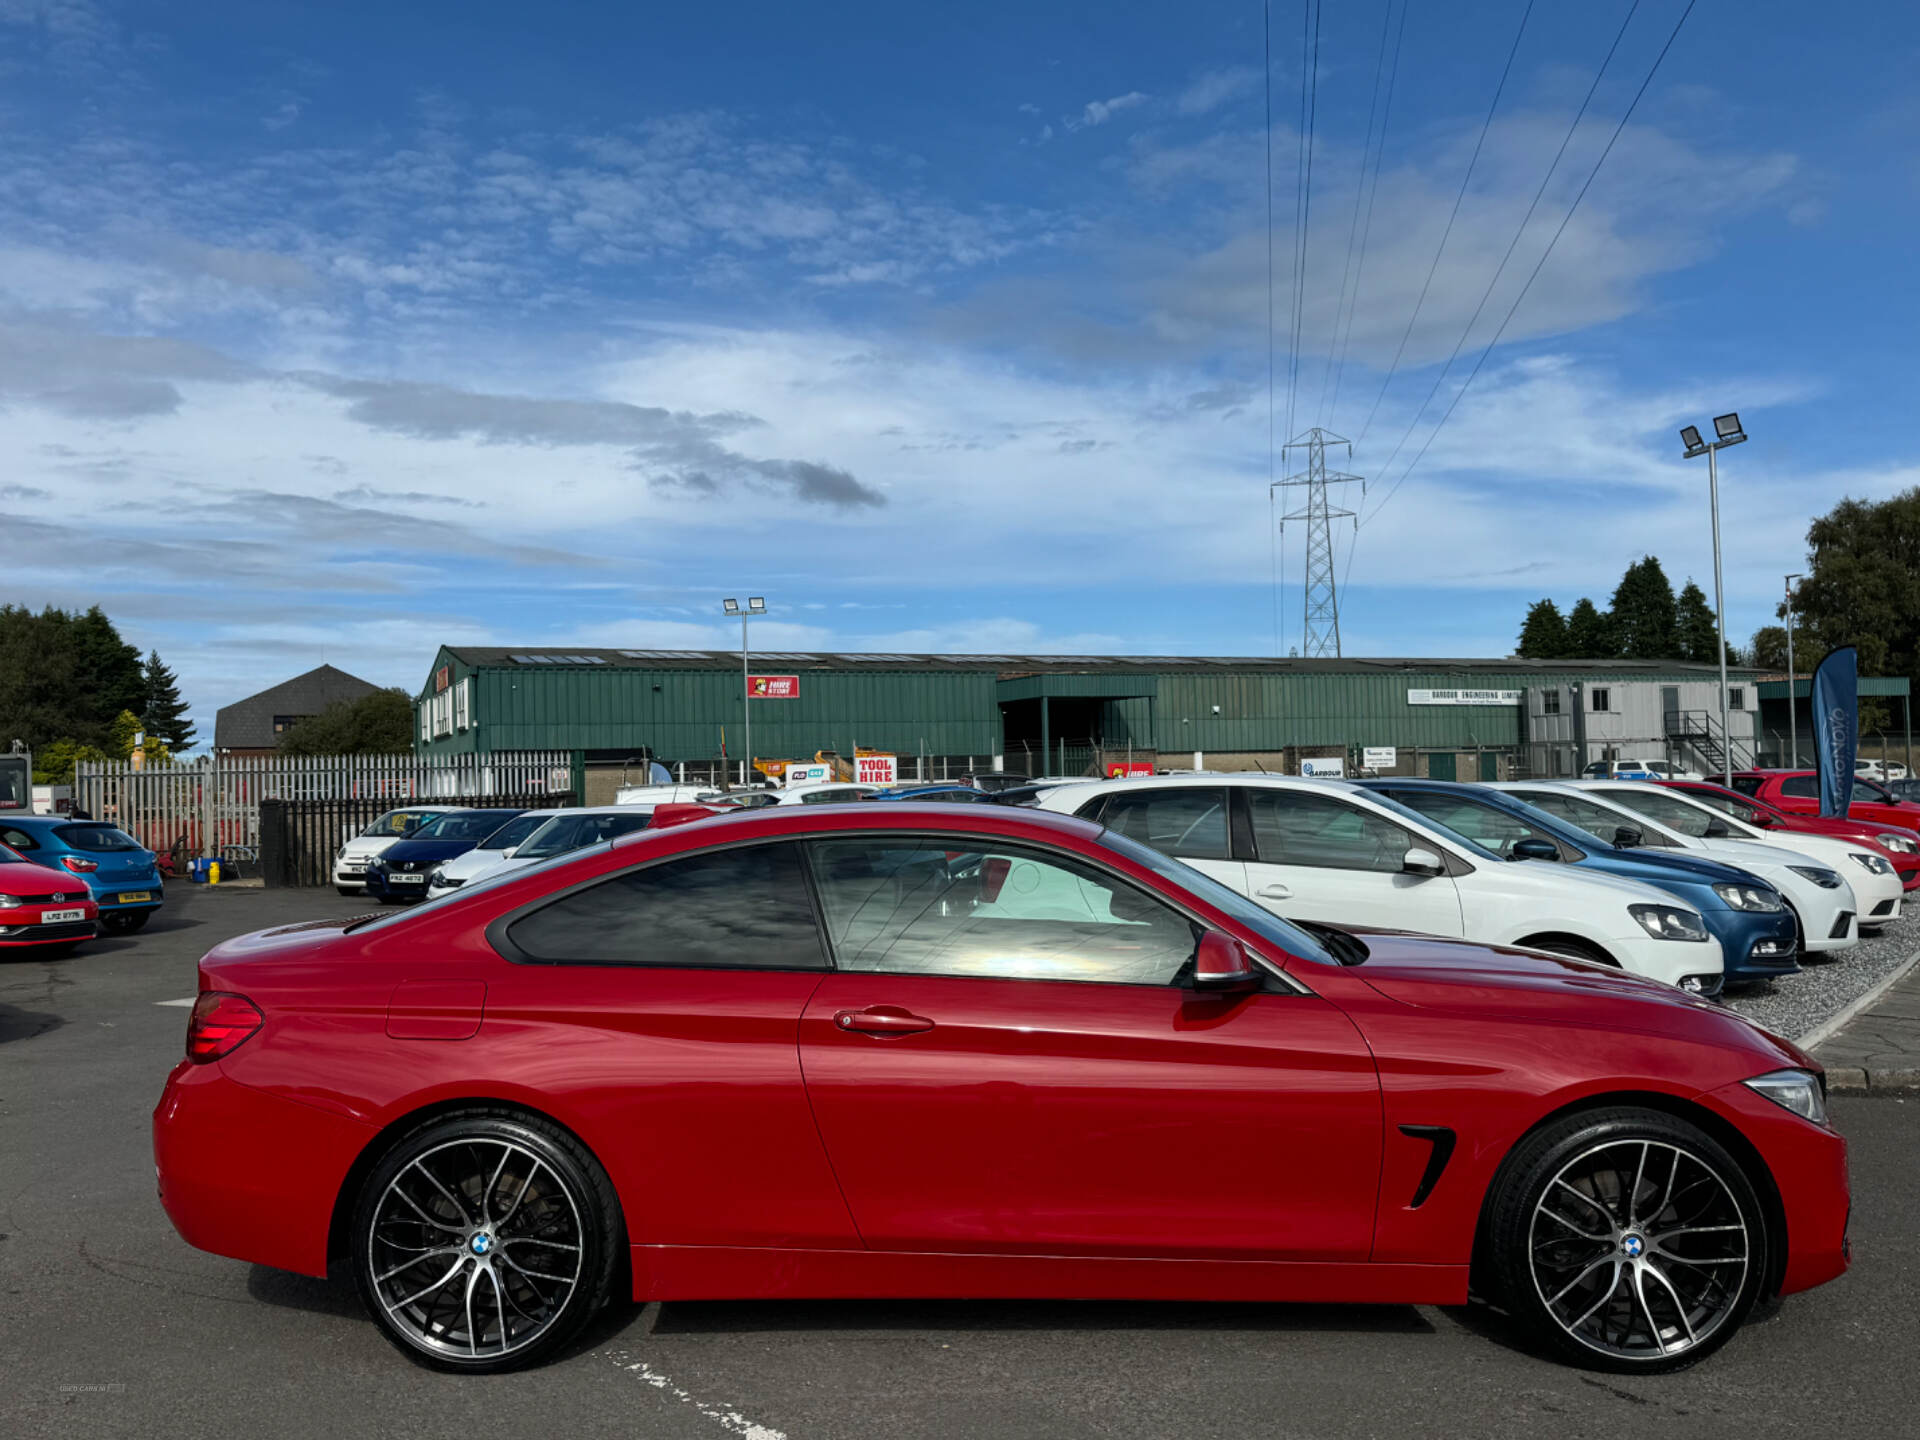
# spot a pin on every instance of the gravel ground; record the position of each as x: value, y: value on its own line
x: 1793, y: 1005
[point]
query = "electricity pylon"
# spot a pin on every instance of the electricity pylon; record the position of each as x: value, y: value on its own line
x: 1322, y: 625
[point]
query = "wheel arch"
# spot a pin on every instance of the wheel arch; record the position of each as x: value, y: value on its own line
x: 1593, y: 948
x: 341, y: 1219
x: 1751, y: 1163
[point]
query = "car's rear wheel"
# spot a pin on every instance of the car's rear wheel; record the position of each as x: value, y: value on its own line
x: 1626, y: 1240
x: 485, y: 1240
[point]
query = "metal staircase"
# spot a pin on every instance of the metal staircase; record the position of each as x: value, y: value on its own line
x: 1696, y: 735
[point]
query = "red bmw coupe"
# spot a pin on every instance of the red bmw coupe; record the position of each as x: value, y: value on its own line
x: 973, y: 1051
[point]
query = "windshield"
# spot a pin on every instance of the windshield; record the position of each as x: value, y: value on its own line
x: 1264, y: 923
x: 1427, y: 822
x: 460, y: 825
x: 513, y: 832
x: 97, y: 838
x: 569, y: 832
x: 1674, y: 813
x: 397, y: 823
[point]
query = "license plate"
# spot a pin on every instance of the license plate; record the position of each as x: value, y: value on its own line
x: 57, y: 917
x: 407, y: 879
x: 133, y: 897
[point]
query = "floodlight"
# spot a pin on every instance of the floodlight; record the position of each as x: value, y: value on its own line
x: 757, y: 604
x: 1727, y: 426
x: 732, y: 606
x: 1690, y: 437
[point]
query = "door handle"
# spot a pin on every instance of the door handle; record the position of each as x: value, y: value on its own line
x: 884, y: 1020
x: 1275, y: 892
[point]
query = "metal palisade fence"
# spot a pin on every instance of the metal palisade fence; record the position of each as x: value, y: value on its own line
x: 212, y: 804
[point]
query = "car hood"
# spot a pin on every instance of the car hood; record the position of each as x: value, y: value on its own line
x: 1665, y: 867
x: 1484, y: 982
x: 368, y: 845
x: 418, y: 850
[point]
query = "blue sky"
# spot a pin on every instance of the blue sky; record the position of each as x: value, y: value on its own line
x: 343, y: 331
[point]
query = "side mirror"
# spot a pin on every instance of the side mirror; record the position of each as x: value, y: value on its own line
x: 1421, y: 861
x: 1221, y: 965
x: 1534, y: 847
x: 509, y: 852
x: 1717, y: 830
x: 1628, y: 836
x: 1761, y: 819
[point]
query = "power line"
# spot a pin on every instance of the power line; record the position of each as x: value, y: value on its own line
x: 1465, y: 180
x: 1303, y: 192
x: 1514, y: 243
x: 1540, y: 264
x: 1359, y: 193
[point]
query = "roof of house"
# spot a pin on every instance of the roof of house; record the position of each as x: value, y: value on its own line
x: 248, y: 724
x: 584, y: 656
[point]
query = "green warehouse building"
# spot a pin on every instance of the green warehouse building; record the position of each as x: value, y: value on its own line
x: 1078, y: 714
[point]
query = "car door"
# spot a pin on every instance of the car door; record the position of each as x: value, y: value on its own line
x: 681, y: 984
x: 1005, y: 1061
x: 1318, y: 856
x: 1188, y: 822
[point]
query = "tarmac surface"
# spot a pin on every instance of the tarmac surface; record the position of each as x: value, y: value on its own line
x: 110, y: 1325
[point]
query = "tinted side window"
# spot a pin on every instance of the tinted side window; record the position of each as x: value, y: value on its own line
x: 725, y: 909
x: 1801, y: 787
x: 944, y: 907
x: 1295, y: 828
x: 18, y: 839
x: 1483, y: 824
x: 1187, y: 820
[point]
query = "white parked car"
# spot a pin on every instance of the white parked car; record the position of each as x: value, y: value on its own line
x: 573, y: 828
x: 1876, y: 884
x: 1335, y: 853
x: 823, y: 792
x: 1638, y: 770
x: 450, y: 875
x: 669, y: 794
x: 1818, y: 894
x: 350, y: 864
x: 1882, y: 770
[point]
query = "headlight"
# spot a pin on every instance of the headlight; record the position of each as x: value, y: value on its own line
x: 1748, y: 897
x: 1825, y: 879
x: 1875, y: 864
x: 1668, y: 922
x: 1898, y: 844
x: 1794, y: 1090
x: 11, y: 902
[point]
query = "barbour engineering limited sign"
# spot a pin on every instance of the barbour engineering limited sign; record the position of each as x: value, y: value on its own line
x: 1463, y: 697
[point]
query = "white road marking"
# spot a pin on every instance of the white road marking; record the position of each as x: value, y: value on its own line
x: 183, y: 1003
x: 731, y: 1421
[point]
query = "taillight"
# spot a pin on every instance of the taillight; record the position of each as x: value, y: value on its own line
x: 221, y: 1023
x: 77, y: 865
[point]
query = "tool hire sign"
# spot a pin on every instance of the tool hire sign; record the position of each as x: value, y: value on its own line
x: 774, y: 687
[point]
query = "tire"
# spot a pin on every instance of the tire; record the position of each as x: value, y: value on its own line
x: 1573, y: 950
x: 521, y: 1285
x: 125, y: 924
x: 347, y: 890
x: 1606, y: 1292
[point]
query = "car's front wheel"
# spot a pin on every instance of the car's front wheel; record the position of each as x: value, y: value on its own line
x: 484, y: 1240
x: 1626, y: 1240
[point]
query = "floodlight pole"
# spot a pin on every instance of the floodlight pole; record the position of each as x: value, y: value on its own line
x: 1793, y: 700
x: 746, y: 697
x: 1720, y: 608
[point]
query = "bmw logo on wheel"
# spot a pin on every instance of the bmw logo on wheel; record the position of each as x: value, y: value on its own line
x: 1633, y: 1245
x: 483, y: 1242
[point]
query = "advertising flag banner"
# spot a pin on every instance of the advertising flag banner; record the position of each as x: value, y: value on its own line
x: 1836, y: 727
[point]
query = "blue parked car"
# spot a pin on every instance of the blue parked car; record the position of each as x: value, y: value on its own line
x: 400, y: 871
x: 123, y: 875
x: 1746, y: 915
x: 954, y: 794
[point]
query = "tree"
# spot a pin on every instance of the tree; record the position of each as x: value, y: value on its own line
x: 1696, y: 631
x: 1543, y: 635
x: 64, y: 676
x: 1644, y: 614
x: 53, y: 763
x: 1589, y: 633
x: 376, y: 724
x: 164, y: 711
x: 128, y: 728
x: 1863, y: 585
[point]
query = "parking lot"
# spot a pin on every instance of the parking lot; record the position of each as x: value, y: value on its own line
x: 111, y: 1325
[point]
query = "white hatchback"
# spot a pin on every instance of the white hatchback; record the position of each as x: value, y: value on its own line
x: 1819, y: 896
x: 350, y: 864
x: 1331, y: 852
x: 450, y: 875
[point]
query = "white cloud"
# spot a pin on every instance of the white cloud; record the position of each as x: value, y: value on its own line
x: 1098, y: 112
x: 1214, y: 88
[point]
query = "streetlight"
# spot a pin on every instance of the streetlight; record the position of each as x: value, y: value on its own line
x: 756, y: 610
x: 1793, y: 700
x: 1727, y: 431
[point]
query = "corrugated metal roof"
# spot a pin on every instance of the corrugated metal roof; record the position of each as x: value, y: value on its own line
x: 523, y: 656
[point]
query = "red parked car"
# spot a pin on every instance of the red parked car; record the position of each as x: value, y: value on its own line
x: 1798, y: 793
x: 975, y: 1051
x: 43, y: 911
x: 1898, y: 843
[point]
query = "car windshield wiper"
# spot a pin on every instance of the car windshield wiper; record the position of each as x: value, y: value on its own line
x: 1347, y: 949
